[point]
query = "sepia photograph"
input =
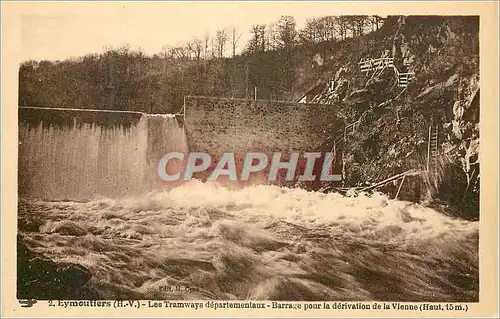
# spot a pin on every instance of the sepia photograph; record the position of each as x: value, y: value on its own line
x: 186, y: 154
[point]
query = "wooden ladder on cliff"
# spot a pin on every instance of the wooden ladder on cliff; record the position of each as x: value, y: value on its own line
x: 432, y: 149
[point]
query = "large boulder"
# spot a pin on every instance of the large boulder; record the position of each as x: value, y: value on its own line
x: 41, y: 278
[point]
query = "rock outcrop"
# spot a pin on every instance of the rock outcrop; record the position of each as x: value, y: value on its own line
x: 41, y: 278
x: 390, y: 127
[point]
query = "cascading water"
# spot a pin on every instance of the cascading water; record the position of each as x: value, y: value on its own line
x: 85, y: 160
x: 257, y: 242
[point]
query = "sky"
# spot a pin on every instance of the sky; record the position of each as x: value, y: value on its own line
x: 64, y: 30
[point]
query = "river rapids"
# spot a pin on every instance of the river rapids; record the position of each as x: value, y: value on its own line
x: 261, y: 242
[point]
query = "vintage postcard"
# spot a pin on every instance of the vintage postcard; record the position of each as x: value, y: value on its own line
x: 249, y: 159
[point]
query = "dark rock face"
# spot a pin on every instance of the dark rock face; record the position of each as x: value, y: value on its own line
x: 41, y: 278
x: 390, y: 123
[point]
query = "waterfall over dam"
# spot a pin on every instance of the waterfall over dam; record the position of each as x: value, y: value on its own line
x: 79, y: 154
x: 73, y: 154
x: 89, y: 195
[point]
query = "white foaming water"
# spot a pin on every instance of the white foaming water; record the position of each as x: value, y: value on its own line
x: 261, y: 242
x: 83, y: 161
x: 256, y: 242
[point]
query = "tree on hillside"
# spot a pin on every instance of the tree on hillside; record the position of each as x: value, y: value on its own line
x: 221, y: 41
x: 179, y: 53
x: 196, y: 47
x: 284, y: 34
x: 257, y: 42
x: 206, y: 40
x: 213, y: 50
x: 357, y: 24
x: 319, y: 30
x: 376, y: 22
x: 283, y: 37
x: 342, y: 25
x: 235, y: 37
x: 165, y: 52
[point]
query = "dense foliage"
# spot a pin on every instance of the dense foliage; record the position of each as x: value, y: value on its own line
x: 123, y: 79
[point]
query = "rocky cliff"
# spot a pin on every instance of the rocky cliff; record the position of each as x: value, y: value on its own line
x: 390, y: 123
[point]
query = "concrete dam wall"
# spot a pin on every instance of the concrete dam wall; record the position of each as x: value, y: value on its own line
x: 78, y: 154
x: 216, y: 125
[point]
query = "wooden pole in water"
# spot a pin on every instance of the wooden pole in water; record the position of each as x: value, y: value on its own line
x: 390, y: 179
x: 400, y: 185
x: 429, y: 148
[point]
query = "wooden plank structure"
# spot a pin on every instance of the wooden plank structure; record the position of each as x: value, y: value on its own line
x: 432, y: 150
x: 400, y: 176
x: 403, y: 78
x: 379, y: 64
x: 376, y: 64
